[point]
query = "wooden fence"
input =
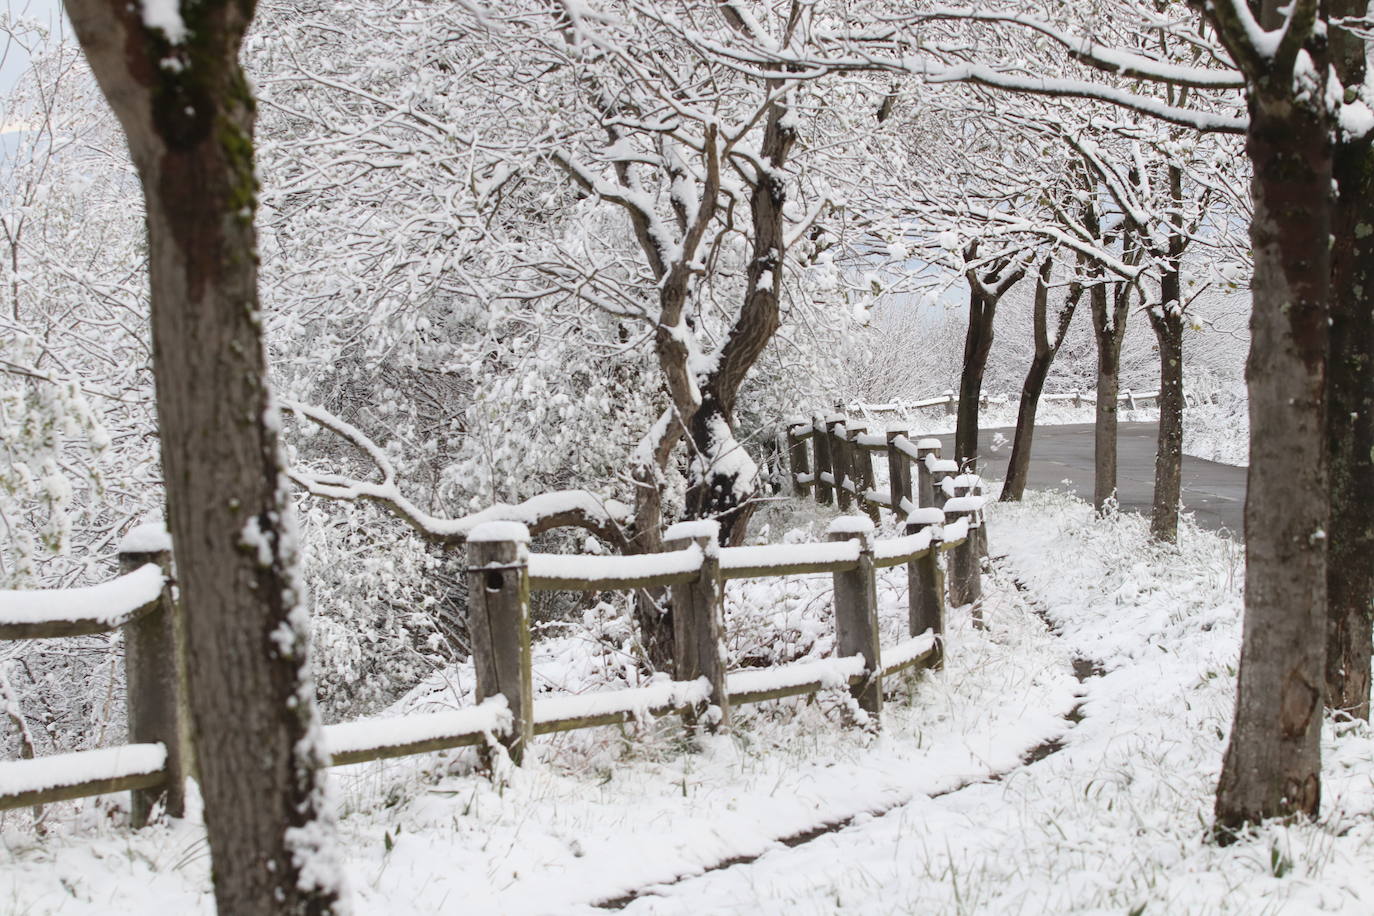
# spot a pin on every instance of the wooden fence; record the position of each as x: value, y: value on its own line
x: 949, y: 402
x: 501, y: 574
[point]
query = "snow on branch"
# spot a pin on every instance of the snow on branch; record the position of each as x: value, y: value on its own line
x: 890, y: 56
x: 604, y: 518
x: 982, y: 75
x: 1086, y: 50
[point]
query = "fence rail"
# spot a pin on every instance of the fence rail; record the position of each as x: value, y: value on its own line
x: 949, y: 401
x: 941, y: 515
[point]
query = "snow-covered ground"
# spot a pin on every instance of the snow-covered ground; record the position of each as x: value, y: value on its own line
x: 1002, y: 415
x: 1218, y: 431
x: 941, y: 812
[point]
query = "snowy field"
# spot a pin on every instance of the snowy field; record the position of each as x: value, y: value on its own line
x: 1063, y: 761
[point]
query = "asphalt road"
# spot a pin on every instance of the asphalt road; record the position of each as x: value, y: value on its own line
x: 1062, y: 459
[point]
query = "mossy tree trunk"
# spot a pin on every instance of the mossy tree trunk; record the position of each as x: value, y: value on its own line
x: 188, y: 115
x: 1272, y: 766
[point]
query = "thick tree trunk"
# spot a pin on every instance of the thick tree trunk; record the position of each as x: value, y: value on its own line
x: 1168, y: 328
x: 258, y: 745
x: 728, y: 477
x: 1273, y: 761
x: 1350, y: 401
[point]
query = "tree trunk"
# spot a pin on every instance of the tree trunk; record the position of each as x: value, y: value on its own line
x: 1167, y: 323
x: 977, y: 345
x: 1018, y: 466
x: 1109, y: 328
x: 727, y: 475
x: 260, y: 754
x: 1350, y: 401
x: 1273, y: 761
x: 985, y: 290
x: 720, y: 490
x: 653, y: 612
x: 1168, y: 328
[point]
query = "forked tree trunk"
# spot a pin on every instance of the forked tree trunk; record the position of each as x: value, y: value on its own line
x: 1273, y: 761
x: 720, y: 489
x: 1350, y: 400
x: 257, y: 740
x: 1018, y: 465
x: 985, y: 292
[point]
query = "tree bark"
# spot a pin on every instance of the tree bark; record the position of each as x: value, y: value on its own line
x: 1167, y: 323
x: 1109, y: 330
x: 1273, y: 761
x: 258, y: 744
x: 1018, y: 465
x: 977, y: 345
x: 1168, y: 328
x: 718, y: 492
x: 985, y: 291
x: 1350, y: 400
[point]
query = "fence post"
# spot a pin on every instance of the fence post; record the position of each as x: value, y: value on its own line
x: 925, y: 581
x: 699, y: 618
x: 499, y: 624
x: 1130, y: 399
x: 155, y: 675
x: 1077, y: 398
x: 965, y: 580
x: 843, y: 469
x: 951, y: 402
x: 856, y: 613
x: 820, y: 441
x: 977, y: 490
x: 937, y: 482
x: 925, y: 480
x: 862, y: 461
x: 797, y: 461
x: 898, y: 472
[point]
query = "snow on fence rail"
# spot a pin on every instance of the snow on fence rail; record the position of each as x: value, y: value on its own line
x: 950, y: 402
x: 54, y: 613
x: 501, y: 574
